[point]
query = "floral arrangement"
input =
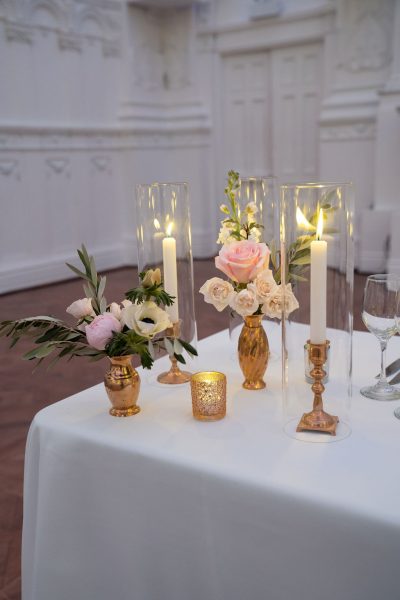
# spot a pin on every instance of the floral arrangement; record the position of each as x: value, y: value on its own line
x: 138, y: 325
x: 254, y: 286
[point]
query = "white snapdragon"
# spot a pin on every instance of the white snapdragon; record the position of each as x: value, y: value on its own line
x: 225, y: 235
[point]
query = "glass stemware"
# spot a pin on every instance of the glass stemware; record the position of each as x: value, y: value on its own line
x: 397, y: 411
x: 379, y: 313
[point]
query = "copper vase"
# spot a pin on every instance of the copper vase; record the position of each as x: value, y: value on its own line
x: 122, y: 383
x: 253, y: 350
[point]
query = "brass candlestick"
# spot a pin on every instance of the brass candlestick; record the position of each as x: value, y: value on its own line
x: 318, y: 419
x: 174, y: 375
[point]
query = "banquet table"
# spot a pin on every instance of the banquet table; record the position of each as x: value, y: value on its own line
x: 161, y: 507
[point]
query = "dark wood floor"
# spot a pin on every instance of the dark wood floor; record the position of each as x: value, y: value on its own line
x: 22, y: 394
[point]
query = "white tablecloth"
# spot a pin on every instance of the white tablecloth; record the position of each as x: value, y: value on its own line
x: 161, y: 507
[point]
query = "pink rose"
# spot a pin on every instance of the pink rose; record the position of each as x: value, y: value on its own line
x: 101, y: 329
x: 242, y: 261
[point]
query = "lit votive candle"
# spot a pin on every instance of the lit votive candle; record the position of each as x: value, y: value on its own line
x: 208, y: 395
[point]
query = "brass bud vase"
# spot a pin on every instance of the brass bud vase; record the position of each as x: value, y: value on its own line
x: 122, y: 383
x: 253, y: 350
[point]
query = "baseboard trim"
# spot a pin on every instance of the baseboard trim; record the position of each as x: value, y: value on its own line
x: 371, y: 262
x: 44, y: 271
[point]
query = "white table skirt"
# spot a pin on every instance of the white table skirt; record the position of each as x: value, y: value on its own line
x: 161, y: 507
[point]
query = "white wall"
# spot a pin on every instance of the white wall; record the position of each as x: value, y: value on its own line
x: 99, y: 95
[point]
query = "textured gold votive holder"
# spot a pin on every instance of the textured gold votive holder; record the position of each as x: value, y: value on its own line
x: 208, y: 395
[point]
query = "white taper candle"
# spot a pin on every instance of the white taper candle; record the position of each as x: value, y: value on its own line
x: 318, y: 287
x: 170, y: 275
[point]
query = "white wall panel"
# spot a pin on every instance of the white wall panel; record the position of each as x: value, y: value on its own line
x: 296, y: 82
x: 246, y: 113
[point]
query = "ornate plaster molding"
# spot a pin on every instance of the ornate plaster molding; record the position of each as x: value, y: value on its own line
x: 347, y: 131
x: 366, y: 35
x: 9, y: 168
x: 16, y: 32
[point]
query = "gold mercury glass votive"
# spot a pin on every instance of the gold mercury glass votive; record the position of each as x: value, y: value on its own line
x: 208, y: 395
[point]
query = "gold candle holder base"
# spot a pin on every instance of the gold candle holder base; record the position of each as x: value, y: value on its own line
x: 318, y: 419
x: 174, y: 375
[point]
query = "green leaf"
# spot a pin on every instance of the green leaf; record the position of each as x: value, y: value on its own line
x: 77, y: 272
x: 102, y: 285
x: 40, y: 352
x: 188, y: 347
x: 169, y: 346
x: 297, y: 277
x: 178, y: 348
x: 302, y: 260
x: 103, y: 305
x: 93, y: 271
x: 180, y: 358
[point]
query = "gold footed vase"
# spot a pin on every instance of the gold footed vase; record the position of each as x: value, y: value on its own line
x: 122, y: 383
x: 253, y: 350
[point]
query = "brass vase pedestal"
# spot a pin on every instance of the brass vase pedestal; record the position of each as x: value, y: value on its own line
x: 318, y: 419
x: 253, y: 351
x: 174, y: 375
x: 122, y: 383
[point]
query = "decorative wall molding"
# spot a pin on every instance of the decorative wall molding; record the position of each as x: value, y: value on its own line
x: 37, y: 138
x: 102, y: 164
x: 366, y: 37
x: 168, y: 139
x: 9, y: 168
x: 73, y: 23
x: 347, y: 131
x: 69, y: 41
x: 59, y: 166
x: 111, y: 48
x: 19, y: 33
x: 54, y: 8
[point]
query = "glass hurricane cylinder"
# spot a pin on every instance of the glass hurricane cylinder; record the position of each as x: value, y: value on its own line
x: 263, y: 192
x: 164, y: 241
x: 317, y: 259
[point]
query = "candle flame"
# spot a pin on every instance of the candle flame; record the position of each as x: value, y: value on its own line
x: 157, y: 224
x: 302, y: 221
x: 169, y: 228
x: 320, y: 226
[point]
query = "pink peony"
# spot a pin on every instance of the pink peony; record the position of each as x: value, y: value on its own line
x: 242, y: 261
x: 101, y: 329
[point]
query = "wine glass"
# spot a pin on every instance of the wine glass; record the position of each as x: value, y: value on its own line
x: 379, y: 313
x: 397, y: 411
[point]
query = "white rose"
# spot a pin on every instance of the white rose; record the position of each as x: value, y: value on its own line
x: 126, y: 303
x: 279, y: 297
x: 217, y: 292
x: 245, y: 302
x: 115, y: 310
x: 145, y: 319
x: 264, y: 284
x: 81, y: 308
x: 151, y: 277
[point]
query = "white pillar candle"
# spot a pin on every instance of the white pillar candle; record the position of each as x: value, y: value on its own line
x: 170, y: 275
x: 318, y: 287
